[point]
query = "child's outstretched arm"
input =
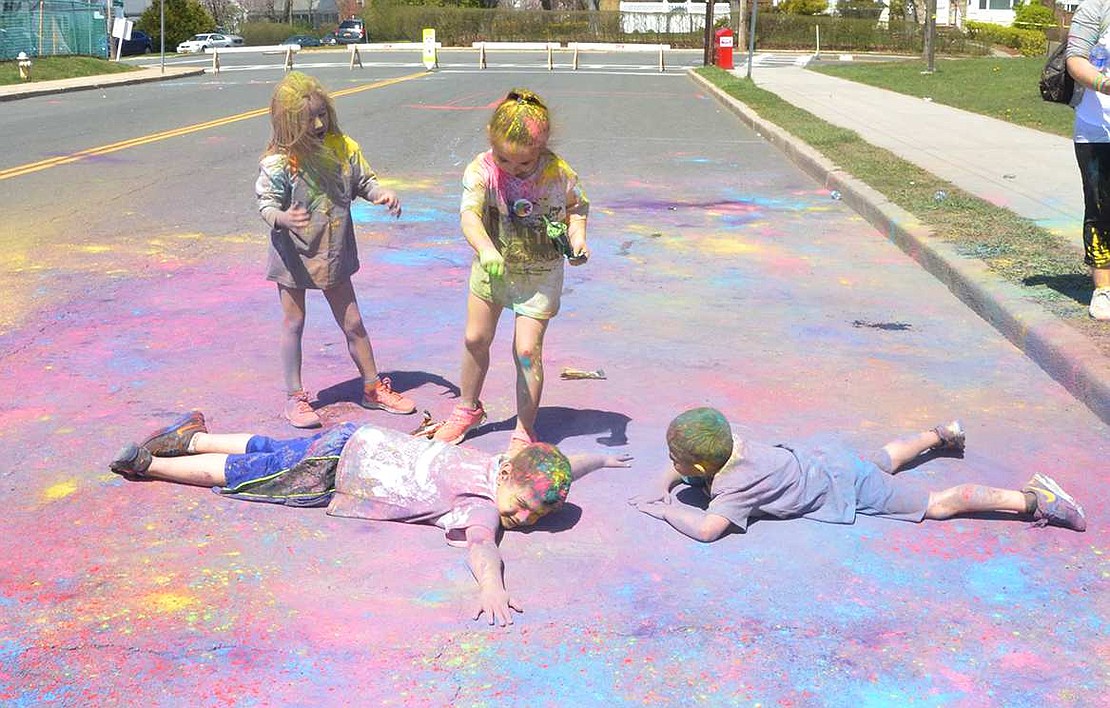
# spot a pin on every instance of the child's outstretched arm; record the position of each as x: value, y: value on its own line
x: 660, y: 489
x: 697, y: 524
x: 488, y: 569
x: 475, y: 232
x: 582, y: 465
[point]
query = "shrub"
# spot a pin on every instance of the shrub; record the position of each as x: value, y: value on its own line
x: 803, y: 7
x: 266, y: 33
x: 1030, y: 43
x: 1033, y: 15
x: 184, y: 18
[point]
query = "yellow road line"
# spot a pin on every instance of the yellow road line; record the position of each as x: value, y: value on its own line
x: 31, y: 167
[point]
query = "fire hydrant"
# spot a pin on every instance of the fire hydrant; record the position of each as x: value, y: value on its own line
x: 24, y: 63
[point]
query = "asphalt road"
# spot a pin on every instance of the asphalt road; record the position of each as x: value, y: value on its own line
x: 720, y: 275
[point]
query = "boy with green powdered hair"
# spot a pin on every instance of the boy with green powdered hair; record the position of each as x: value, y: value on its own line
x: 746, y: 480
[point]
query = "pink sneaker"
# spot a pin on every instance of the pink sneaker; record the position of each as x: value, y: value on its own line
x: 385, y: 398
x: 461, y: 422
x: 298, y: 411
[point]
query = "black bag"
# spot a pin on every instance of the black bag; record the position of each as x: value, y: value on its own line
x: 1056, y: 83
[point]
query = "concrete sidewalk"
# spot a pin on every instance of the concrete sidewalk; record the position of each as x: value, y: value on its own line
x: 1026, y: 171
x: 83, y: 83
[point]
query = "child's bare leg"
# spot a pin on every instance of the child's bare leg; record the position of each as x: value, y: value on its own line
x: 528, y: 351
x: 971, y: 498
x: 344, y: 307
x: 481, y: 326
x: 227, y: 443
x: 205, y: 470
x: 948, y: 436
x: 905, y: 449
x: 292, y: 330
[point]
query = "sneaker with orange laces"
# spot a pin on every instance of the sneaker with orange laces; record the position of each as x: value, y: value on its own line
x: 381, y: 395
x: 461, y: 422
x: 298, y: 411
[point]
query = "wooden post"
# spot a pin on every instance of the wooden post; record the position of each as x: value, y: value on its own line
x: 576, y: 57
x: 215, y: 60
x: 355, y: 58
x: 662, y: 66
x: 550, y: 62
x: 481, y: 55
x: 289, y: 58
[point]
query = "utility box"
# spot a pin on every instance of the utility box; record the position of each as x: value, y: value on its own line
x: 723, y: 42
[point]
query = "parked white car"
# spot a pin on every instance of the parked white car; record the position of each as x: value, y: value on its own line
x: 200, y: 42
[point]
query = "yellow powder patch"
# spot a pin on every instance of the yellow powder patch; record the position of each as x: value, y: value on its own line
x: 61, y: 490
x: 94, y: 248
x: 729, y: 246
x: 168, y: 601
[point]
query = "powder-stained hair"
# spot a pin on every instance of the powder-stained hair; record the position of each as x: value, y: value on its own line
x: 521, y: 120
x: 544, y: 470
x: 291, y: 132
x: 701, y: 436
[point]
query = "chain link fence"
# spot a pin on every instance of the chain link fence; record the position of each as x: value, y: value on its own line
x: 52, y: 27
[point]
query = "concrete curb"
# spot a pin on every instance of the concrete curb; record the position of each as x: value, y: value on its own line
x: 15, y: 92
x: 1059, y: 350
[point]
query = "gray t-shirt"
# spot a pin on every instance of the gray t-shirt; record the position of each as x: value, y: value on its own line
x: 785, y: 482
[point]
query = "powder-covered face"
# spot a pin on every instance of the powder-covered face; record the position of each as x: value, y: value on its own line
x: 316, y: 117
x: 518, y: 160
x: 523, y: 503
x: 517, y: 506
x: 690, y: 474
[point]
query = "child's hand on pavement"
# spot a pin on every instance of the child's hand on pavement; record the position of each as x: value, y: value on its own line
x: 492, y: 262
x: 662, y: 497
x: 497, y: 606
x: 622, y: 460
x: 654, y: 509
x: 389, y: 199
x: 295, y: 218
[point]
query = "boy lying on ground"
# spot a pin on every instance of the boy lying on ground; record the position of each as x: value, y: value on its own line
x: 746, y: 480
x: 375, y: 473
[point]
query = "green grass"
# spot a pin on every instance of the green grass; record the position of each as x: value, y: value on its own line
x: 999, y: 87
x: 1046, y: 266
x: 49, y: 68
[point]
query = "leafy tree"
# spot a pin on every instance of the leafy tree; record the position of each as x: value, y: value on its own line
x: 184, y: 18
x: 803, y: 7
x: 1033, y: 15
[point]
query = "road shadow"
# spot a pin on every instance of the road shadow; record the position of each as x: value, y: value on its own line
x: 554, y: 424
x: 400, y: 381
x: 1076, y: 286
x: 562, y: 520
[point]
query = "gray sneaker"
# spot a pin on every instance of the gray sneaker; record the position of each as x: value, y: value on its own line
x: 952, y: 436
x: 1054, y: 505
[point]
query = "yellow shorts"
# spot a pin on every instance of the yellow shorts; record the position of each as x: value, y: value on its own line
x: 533, y: 290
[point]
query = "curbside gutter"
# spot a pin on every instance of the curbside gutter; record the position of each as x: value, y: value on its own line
x: 1064, y: 354
x: 14, y: 92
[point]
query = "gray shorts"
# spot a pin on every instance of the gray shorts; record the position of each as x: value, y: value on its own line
x: 879, y: 493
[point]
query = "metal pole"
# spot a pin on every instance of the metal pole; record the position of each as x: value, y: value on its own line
x: 707, y: 55
x: 751, y: 36
x: 162, y: 31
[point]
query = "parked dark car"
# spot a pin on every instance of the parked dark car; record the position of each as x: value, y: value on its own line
x: 329, y: 39
x: 140, y: 43
x: 305, y: 40
x: 352, y: 31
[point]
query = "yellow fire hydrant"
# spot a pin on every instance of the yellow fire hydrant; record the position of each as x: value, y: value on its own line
x: 24, y: 63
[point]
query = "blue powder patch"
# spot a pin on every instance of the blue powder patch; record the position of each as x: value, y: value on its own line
x: 998, y: 581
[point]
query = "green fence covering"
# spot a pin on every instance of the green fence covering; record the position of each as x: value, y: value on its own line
x: 52, y: 27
